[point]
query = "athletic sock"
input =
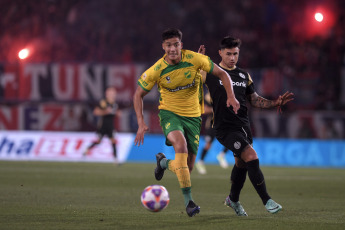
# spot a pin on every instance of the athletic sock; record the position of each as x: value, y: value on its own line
x: 180, y: 168
x: 187, y: 195
x: 238, y: 177
x: 114, y: 150
x: 203, y: 154
x: 258, y: 180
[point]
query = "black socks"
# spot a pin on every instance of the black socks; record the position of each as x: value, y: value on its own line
x: 257, y: 179
x: 238, y: 177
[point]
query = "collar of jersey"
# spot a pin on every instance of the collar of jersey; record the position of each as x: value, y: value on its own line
x: 227, y: 67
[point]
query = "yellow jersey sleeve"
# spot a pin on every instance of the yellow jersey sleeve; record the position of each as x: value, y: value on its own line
x: 148, y: 79
x: 201, y: 61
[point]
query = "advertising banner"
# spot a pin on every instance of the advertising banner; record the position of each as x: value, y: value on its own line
x: 70, y: 146
x: 61, y: 146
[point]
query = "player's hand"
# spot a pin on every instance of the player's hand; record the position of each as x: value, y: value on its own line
x: 139, y: 138
x: 234, y: 103
x: 202, y: 50
x: 285, y: 98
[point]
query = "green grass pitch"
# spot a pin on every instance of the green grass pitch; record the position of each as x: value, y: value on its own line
x: 56, y: 195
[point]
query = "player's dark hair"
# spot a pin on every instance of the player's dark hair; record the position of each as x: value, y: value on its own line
x: 229, y: 43
x: 171, y: 33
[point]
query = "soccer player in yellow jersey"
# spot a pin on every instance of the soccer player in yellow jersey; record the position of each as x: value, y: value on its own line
x: 177, y: 75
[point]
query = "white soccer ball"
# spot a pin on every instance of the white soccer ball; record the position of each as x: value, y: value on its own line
x: 155, y: 198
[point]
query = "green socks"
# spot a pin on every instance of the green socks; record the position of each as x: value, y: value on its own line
x: 187, y: 195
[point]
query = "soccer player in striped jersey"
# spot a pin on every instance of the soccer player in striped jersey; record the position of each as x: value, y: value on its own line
x: 233, y: 130
x: 177, y: 76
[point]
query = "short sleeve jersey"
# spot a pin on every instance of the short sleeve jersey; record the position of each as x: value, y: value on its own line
x: 180, y: 85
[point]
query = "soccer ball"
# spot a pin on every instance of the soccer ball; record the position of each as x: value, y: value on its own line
x: 155, y: 198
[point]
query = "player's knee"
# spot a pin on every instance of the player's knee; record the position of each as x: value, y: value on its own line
x: 249, y: 154
x: 178, y: 141
x: 180, y: 147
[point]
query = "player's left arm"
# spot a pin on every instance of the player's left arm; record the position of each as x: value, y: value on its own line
x: 260, y: 102
x: 227, y: 83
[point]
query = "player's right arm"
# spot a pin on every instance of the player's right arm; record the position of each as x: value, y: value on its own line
x: 145, y: 83
x: 139, y: 111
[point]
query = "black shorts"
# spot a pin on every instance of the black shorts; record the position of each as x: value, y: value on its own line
x: 210, y: 135
x: 105, y: 131
x: 235, y: 139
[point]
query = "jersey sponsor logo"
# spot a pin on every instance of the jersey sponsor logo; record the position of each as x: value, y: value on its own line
x: 168, y: 79
x: 237, y: 145
x: 188, y: 74
x: 242, y: 75
x: 167, y: 125
x: 243, y: 84
x: 157, y: 67
x: 181, y: 87
x: 144, y: 75
x: 189, y: 56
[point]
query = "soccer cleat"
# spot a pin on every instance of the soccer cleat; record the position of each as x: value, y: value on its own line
x: 235, y: 206
x: 200, y: 166
x: 273, y: 207
x: 192, y: 209
x: 222, y: 161
x: 159, y: 171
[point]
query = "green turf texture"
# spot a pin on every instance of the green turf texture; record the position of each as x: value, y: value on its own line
x: 56, y: 195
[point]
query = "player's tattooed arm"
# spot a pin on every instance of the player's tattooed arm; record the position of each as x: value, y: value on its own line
x: 260, y: 102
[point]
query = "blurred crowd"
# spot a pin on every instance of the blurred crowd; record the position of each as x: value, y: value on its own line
x: 276, y: 34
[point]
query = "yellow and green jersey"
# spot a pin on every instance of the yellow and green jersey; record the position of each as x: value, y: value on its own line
x: 180, y: 85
